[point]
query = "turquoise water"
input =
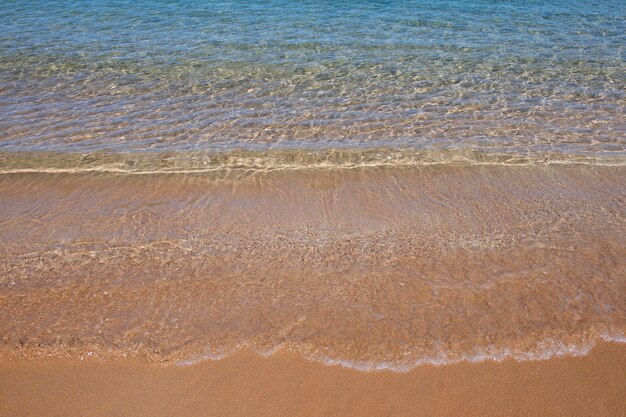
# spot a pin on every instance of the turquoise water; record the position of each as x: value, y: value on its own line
x: 491, y: 77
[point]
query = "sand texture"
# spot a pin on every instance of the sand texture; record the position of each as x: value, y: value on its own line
x: 284, y: 384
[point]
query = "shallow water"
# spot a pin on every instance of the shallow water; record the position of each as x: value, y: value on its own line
x: 377, y: 185
x: 515, y: 77
x: 372, y: 268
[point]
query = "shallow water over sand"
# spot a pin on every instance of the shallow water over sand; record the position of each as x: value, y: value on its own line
x: 504, y: 77
x: 375, y: 184
x: 371, y: 267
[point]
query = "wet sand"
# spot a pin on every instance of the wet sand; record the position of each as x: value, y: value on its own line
x: 312, y: 208
x: 377, y: 268
x: 372, y: 268
x: 284, y: 384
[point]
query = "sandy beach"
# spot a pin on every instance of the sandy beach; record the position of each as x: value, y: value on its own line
x: 312, y: 208
x: 284, y: 384
x: 442, y: 291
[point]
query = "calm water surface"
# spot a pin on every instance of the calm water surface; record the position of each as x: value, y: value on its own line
x: 516, y: 77
x: 483, y: 215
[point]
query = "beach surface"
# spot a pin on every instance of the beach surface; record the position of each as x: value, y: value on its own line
x: 247, y: 384
x: 443, y: 290
x: 312, y: 208
x: 372, y: 268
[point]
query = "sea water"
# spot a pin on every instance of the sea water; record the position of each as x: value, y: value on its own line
x: 372, y: 184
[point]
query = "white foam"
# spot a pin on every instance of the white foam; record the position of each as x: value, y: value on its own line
x: 614, y: 336
x: 480, y: 355
x: 545, y: 350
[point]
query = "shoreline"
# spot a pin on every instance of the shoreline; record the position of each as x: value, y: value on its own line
x: 485, y: 354
x: 375, y: 266
x: 315, y: 208
x: 285, y: 384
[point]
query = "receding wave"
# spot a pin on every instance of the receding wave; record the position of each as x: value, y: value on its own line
x: 375, y: 268
x: 375, y: 185
x: 546, y: 349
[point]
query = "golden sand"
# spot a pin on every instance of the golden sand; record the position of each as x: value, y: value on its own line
x: 286, y: 385
x: 374, y: 267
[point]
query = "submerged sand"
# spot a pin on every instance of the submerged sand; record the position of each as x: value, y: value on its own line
x: 110, y: 281
x: 387, y: 267
x: 286, y: 385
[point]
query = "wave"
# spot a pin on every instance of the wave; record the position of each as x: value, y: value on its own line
x: 289, y: 159
x: 545, y: 350
x: 370, y: 269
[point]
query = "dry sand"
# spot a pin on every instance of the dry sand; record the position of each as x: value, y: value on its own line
x: 286, y: 385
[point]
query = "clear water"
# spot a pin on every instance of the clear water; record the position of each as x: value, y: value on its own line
x: 486, y: 218
x: 527, y: 78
